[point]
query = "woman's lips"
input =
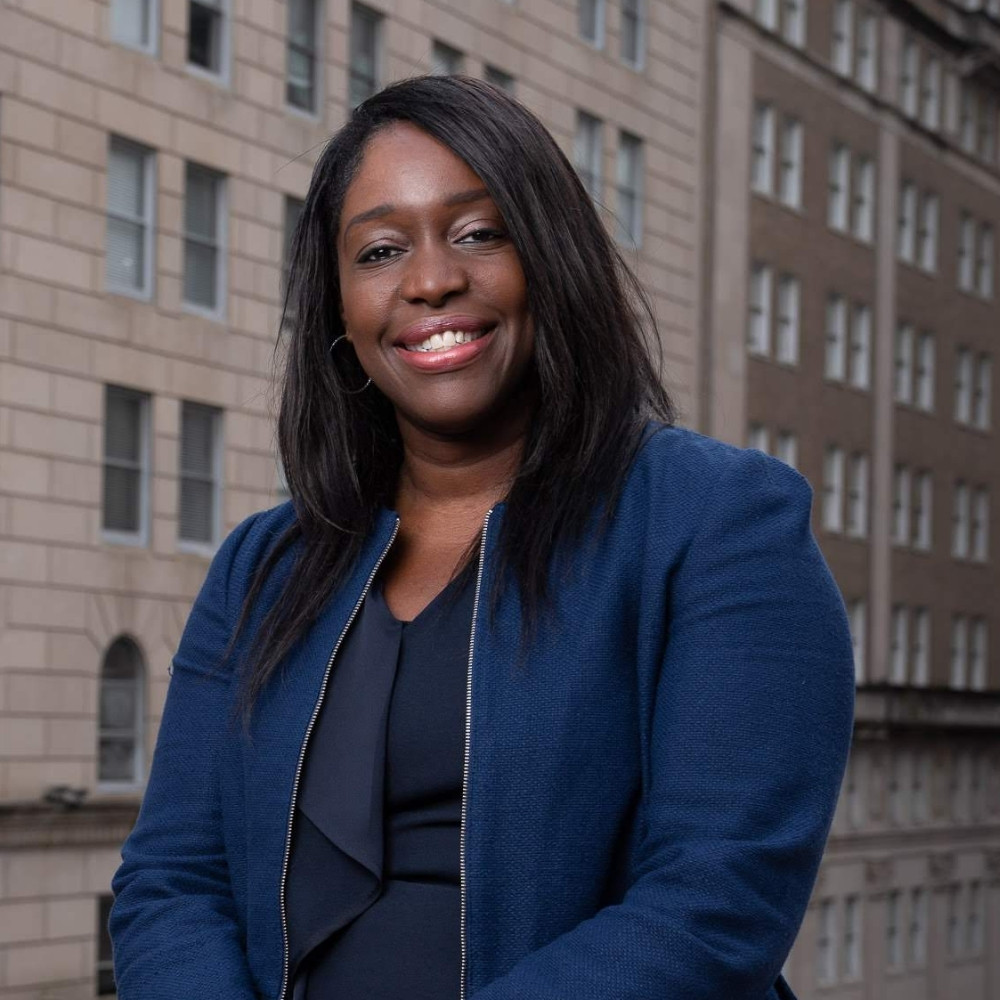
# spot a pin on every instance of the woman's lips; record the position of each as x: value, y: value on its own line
x: 446, y: 359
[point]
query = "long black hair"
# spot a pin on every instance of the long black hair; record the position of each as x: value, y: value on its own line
x: 594, y: 334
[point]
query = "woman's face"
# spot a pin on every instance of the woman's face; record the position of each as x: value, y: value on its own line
x: 433, y: 295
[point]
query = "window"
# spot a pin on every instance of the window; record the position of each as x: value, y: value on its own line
x: 592, y: 22
x: 960, y: 521
x: 293, y: 213
x: 125, y: 507
x: 963, y: 385
x: 904, y: 363
x: 200, y: 474
x: 984, y: 262
x: 794, y: 27
x: 930, y: 94
x: 833, y: 489
x: 852, y: 938
x: 928, y: 236
x: 959, y: 784
x: 897, y: 783
x: 980, y: 655
x: 128, y: 261
x: 787, y: 346
x: 766, y: 13
x: 204, y: 233
x: 759, y: 326
x: 974, y: 919
x: 982, y: 392
x: 836, y: 338
x: 900, y: 650
x: 907, y: 241
x: 857, y: 613
x: 852, y: 793
x: 959, y: 651
x: 857, y: 497
x: 923, y: 510
x: 967, y: 118
x: 893, y: 939
x: 925, y: 372
x: 304, y: 29
x: 866, y: 63
x: 839, y: 179
x: 365, y: 54
x: 863, y: 222
x: 826, y: 956
x: 105, y: 961
x: 629, y: 189
x: 920, y: 776
x: 207, y: 46
x: 918, y: 928
x: 499, y: 79
x: 861, y: 339
x: 909, y: 68
x: 120, y: 739
x: 762, y: 166
x: 633, y: 31
x: 840, y: 55
x: 901, y: 505
x: 786, y: 448
x: 921, y: 647
x: 445, y: 61
x: 790, y: 168
x: 980, y: 524
x: 133, y: 23
x: 954, y: 920
x: 966, y: 252
x: 757, y: 437
x: 587, y: 153
x: 987, y: 129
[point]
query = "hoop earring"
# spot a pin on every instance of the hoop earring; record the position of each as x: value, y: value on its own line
x: 350, y: 392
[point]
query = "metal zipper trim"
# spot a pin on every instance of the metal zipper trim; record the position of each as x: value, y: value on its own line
x: 465, y: 765
x: 302, y: 757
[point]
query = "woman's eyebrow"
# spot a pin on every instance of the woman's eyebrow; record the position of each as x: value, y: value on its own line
x: 379, y: 211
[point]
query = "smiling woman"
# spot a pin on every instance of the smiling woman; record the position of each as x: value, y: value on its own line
x: 541, y: 694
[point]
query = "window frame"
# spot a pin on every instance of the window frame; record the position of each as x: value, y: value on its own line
x: 588, y: 144
x: 112, y: 536
x: 599, y: 40
x: 791, y: 144
x: 788, y: 319
x: 928, y: 232
x: 223, y: 9
x: 930, y: 93
x: 967, y: 253
x: 152, y: 48
x: 842, y: 38
x: 922, y: 520
x: 925, y: 372
x: 906, y: 230
x: 982, y: 392
x: 985, y: 261
x: 760, y: 309
x: 866, y: 61
x: 639, y: 62
x: 838, y: 212
x: 315, y: 54
x: 148, y: 223
x: 106, y: 786
x: 860, y: 347
x: 856, y: 525
x: 762, y: 148
x: 904, y: 356
x: 193, y: 545
x: 221, y: 246
x: 632, y: 162
x: 863, y: 202
x: 836, y: 336
x: 909, y: 78
x: 376, y: 20
x: 441, y: 54
x: 833, y: 489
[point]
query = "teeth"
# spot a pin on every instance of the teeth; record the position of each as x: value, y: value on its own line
x: 447, y: 338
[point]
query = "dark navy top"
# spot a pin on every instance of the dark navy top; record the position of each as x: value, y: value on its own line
x: 373, y: 880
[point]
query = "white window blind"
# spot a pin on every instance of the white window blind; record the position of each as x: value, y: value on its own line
x: 835, y: 366
x: 130, y: 228
x: 963, y: 385
x: 843, y: 36
x: 857, y: 497
x: 863, y: 222
x: 960, y: 520
x: 866, y: 68
x: 203, y: 238
x: 787, y: 346
x: 790, y: 168
x: 839, y: 187
x: 762, y: 160
x: 833, y: 489
x: 861, y: 346
x: 759, y: 321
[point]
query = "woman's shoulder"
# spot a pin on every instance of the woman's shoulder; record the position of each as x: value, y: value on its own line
x: 686, y: 469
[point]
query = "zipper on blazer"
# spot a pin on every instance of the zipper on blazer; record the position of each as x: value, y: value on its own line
x: 302, y: 756
x: 465, y: 764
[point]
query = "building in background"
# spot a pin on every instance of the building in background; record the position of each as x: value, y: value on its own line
x: 808, y: 190
x: 153, y: 158
x: 853, y: 329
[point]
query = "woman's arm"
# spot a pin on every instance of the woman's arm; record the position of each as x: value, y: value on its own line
x: 173, y: 923
x: 750, y: 734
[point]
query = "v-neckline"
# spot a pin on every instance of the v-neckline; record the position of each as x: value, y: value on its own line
x: 379, y: 594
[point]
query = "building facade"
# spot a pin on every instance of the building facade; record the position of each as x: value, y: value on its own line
x: 153, y: 158
x: 851, y: 329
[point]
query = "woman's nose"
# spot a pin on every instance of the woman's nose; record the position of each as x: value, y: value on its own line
x: 433, y: 274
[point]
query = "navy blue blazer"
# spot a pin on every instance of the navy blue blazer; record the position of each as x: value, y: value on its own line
x: 645, y: 804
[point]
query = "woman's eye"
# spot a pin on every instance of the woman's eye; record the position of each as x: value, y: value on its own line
x: 483, y: 235
x: 377, y: 254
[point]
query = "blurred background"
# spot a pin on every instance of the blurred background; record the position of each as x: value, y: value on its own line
x: 808, y: 190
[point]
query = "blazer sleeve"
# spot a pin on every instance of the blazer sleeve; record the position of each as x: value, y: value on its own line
x: 173, y: 923
x: 751, y: 727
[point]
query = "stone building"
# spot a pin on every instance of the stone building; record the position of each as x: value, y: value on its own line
x: 153, y: 157
x: 851, y: 329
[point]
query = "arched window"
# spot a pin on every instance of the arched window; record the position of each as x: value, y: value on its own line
x: 120, y: 741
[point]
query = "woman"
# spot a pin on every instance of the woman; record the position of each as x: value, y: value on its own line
x: 541, y: 695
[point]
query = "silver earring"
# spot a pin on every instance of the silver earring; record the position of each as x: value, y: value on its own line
x: 350, y: 392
